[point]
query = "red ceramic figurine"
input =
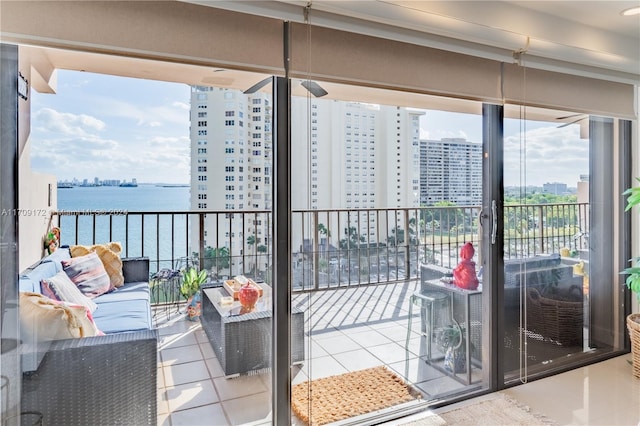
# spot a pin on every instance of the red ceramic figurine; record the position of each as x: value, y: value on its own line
x: 248, y: 296
x: 464, y: 275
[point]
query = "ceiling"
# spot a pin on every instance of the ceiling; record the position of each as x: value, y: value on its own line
x: 592, y: 37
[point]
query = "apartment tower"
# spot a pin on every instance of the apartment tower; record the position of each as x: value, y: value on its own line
x: 345, y: 155
x: 451, y: 170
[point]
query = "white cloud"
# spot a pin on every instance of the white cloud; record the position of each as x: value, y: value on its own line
x: 66, y: 123
x: 546, y: 154
x: 142, y: 132
x: 158, y: 158
x: 443, y: 134
x: 142, y: 115
x: 181, y: 105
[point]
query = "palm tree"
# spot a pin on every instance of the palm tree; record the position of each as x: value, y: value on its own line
x: 323, y: 230
x: 251, y: 241
x: 216, y: 259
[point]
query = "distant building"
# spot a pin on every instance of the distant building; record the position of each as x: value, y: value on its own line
x: 556, y: 188
x: 450, y: 170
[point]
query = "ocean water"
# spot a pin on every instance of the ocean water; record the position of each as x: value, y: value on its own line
x: 115, y: 214
x: 140, y: 198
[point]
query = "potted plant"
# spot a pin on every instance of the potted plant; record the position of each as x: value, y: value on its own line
x: 190, y: 290
x: 633, y: 283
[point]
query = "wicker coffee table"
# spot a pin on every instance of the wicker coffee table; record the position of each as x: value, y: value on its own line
x: 242, y: 342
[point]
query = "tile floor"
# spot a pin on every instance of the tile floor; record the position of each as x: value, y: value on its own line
x: 349, y: 330
x: 605, y: 393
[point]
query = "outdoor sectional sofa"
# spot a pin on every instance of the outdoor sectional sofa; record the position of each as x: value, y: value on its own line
x: 103, y: 380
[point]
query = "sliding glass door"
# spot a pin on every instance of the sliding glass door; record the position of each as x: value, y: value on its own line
x: 560, y: 284
x: 386, y: 197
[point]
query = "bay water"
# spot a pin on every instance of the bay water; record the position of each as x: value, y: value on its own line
x: 111, y: 213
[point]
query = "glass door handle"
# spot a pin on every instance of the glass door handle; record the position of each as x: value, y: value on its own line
x: 494, y: 221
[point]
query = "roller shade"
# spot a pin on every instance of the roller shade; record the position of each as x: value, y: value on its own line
x: 568, y: 92
x: 344, y: 57
x: 165, y: 30
x: 202, y: 35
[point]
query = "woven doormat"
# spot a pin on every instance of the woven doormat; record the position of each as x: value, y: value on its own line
x: 335, y: 398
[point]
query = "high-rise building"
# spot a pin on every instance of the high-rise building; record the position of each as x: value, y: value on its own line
x: 451, y: 170
x: 230, y: 164
x: 355, y: 156
x: 345, y: 155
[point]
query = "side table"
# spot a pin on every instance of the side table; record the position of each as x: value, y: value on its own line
x: 427, y: 300
x: 165, y: 291
x: 242, y: 342
x: 465, y: 311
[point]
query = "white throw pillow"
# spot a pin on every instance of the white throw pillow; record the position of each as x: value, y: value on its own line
x: 61, y: 288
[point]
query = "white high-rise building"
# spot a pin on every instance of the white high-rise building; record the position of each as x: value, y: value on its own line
x: 231, y: 150
x: 451, y: 170
x: 352, y: 155
x: 345, y: 155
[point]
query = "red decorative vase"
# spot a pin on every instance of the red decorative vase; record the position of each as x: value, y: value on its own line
x: 248, y: 296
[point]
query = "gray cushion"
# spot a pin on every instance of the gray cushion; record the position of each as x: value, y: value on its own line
x: 121, y: 316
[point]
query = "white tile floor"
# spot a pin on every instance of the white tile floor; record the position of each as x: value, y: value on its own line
x: 372, y: 331
x: 604, y: 394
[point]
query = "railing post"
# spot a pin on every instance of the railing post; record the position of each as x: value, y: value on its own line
x: 200, y: 240
x: 316, y: 254
x: 541, y: 228
x: 407, y: 239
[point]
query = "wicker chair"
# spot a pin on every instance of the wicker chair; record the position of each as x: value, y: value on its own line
x: 557, y: 321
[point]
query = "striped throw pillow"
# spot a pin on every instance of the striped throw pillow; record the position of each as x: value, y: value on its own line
x: 88, y: 273
x: 109, y: 253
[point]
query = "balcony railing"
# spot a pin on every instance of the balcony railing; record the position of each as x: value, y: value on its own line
x: 332, y: 248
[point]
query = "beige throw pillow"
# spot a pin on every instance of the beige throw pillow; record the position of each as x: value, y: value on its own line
x: 109, y: 254
x: 43, y: 319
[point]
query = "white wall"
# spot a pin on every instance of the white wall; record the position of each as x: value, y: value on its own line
x: 37, y: 193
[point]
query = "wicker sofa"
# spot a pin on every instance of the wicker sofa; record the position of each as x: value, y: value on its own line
x: 545, y: 273
x: 107, y: 379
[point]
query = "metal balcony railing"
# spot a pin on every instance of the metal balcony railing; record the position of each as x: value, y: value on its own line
x: 332, y: 248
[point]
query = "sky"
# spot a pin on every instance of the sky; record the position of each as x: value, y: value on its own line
x: 111, y: 128
x: 122, y: 128
x: 549, y: 153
